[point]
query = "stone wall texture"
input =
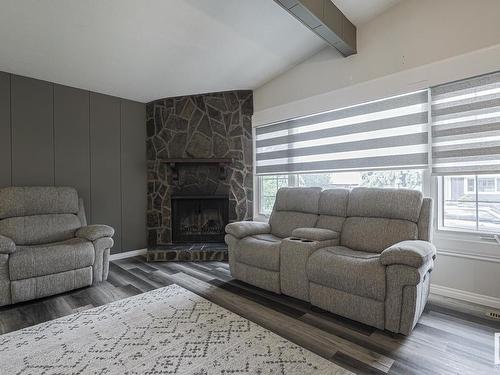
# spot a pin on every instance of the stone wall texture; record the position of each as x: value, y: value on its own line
x: 216, y: 125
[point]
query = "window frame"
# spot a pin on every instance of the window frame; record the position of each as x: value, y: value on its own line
x: 293, y: 181
x: 483, y: 235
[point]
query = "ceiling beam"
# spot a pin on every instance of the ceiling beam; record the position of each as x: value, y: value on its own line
x: 326, y: 20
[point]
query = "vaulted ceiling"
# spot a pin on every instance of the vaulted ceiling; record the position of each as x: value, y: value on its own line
x: 145, y: 50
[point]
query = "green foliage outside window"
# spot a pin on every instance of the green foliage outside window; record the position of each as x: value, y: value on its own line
x: 410, y: 179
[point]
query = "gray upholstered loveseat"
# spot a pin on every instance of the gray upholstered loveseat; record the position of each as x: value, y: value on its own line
x: 364, y: 254
x: 46, y: 246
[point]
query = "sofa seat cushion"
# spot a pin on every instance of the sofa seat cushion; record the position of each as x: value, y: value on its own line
x: 267, y: 237
x: 262, y: 251
x: 356, y: 272
x: 40, y: 260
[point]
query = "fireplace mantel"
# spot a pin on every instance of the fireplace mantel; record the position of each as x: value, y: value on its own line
x: 174, y: 162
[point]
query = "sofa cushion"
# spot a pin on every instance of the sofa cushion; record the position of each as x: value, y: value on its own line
x: 94, y: 232
x: 284, y: 222
x: 294, y: 208
x: 39, y: 229
x: 298, y: 199
x: 376, y: 234
x: 263, y: 252
x: 7, y: 246
x: 355, y: 272
x: 267, y: 237
x: 403, y: 204
x: 34, y: 261
x: 242, y: 229
x: 315, y: 234
x: 37, y: 200
x: 410, y: 253
x: 333, y: 202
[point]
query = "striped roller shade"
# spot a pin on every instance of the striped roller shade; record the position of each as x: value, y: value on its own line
x: 466, y: 126
x: 386, y: 134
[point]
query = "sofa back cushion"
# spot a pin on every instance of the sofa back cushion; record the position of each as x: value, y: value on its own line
x: 379, y: 218
x: 37, y: 200
x: 403, y: 204
x: 294, y: 208
x: 332, y: 209
x: 40, y: 229
x: 39, y: 214
x: 376, y: 234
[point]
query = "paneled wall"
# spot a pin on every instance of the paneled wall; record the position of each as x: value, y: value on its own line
x: 57, y: 135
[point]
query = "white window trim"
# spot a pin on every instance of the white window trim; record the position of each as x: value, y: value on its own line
x: 460, y: 242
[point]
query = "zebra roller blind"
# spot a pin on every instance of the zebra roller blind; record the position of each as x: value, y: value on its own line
x: 466, y: 126
x: 387, y: 134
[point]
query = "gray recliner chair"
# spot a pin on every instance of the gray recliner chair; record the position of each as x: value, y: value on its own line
x: 364, y: 254
x: 46, y: 246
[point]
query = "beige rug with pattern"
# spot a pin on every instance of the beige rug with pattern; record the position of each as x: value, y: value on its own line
x: 166, y: 331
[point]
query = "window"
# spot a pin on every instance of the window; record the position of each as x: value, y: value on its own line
x: 465, y: 118
x: 387, y: 143
x: 471, y: 185
x: 269, y: 185
x: 463, y: 208
x: 486, y: 185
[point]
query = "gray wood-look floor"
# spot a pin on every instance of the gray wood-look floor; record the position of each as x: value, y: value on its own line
x: 445, y: 341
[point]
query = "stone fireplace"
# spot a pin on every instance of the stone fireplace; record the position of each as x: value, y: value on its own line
x: 199, y: 151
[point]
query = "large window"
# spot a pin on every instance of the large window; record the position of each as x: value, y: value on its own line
x: 451, y: 130
x: 269, y: 185
x: 471, y: 203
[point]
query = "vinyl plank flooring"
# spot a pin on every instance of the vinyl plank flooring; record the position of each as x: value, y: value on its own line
x: 445, y: 341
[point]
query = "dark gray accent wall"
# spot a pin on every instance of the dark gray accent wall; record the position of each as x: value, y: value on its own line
x: 72, y: 140
x: 32, y: 120
x: 5, y: 150
x: 56, y: 135
x: 105, y: 161
x: 132, y: 165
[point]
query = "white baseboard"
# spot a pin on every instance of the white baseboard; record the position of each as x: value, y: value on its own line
x: 479, y: 299
x: 128, y: 254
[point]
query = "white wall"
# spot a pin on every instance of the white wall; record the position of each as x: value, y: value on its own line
x: 414, y: 45
x: 411, y: 34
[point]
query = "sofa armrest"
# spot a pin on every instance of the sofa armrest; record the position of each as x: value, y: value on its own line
x: 95, y: 231
x: 242, y: 229
x: 413, y: 253
x: 315, y: 234
x: 7, y: 246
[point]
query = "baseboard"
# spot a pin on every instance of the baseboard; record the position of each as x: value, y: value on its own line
x: 128, y: 254
x: 479, y: 299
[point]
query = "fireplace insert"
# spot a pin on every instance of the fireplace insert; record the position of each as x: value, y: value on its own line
x: 199, y: 218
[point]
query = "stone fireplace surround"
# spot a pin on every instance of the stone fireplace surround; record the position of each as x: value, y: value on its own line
x: 206, y: 126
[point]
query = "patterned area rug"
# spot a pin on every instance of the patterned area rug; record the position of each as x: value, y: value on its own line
x: 166, y: 331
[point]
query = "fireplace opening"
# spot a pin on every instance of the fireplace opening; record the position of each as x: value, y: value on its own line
x: 199, y: 218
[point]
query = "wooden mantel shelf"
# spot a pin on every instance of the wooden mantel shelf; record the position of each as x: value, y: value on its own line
x: 174, y: 161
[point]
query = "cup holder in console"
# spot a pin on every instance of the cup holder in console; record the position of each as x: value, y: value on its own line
x: 299, y: 239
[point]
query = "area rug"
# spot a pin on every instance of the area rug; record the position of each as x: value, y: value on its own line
x: 166, y: 331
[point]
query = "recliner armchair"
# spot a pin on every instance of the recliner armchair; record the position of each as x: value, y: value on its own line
x: 46, y: 246
x: 364, y: 254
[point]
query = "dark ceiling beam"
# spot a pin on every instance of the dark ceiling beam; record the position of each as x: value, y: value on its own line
x: 326, y: 20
